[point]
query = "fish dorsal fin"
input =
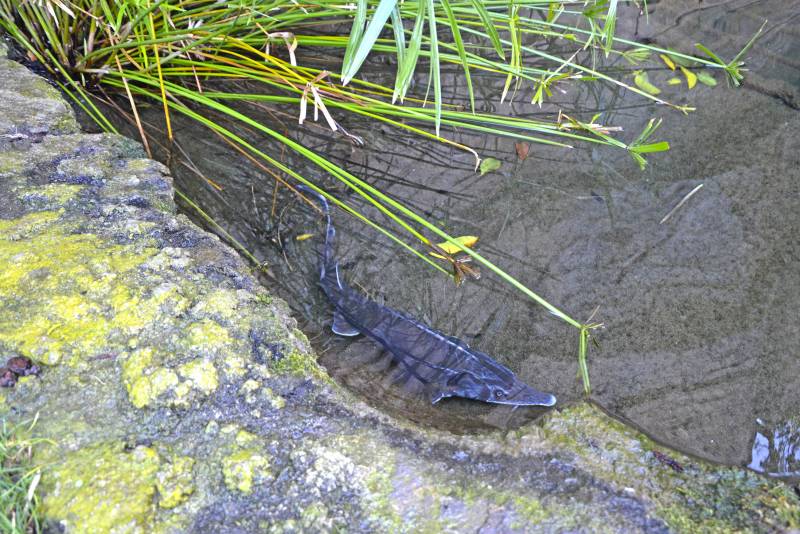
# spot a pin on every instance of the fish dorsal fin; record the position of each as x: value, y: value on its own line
x: 342, y: 327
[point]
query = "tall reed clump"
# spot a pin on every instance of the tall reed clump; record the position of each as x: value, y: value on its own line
x: 174, y: 52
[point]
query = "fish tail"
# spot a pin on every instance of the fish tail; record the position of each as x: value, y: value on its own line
x: 330, y: 232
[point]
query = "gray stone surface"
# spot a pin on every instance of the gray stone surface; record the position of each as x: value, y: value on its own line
x: 178, y: 396
x: 36, y: 107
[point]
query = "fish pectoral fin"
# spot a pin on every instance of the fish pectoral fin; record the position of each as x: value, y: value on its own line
x: 440, y: 393
x: 342, y: 327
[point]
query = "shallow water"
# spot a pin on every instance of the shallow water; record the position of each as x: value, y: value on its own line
x: 700, y: 337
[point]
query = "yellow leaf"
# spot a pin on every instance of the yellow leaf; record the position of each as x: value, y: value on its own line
x: 303, y: 237
x: 466, y: 240
x: 668, y: 61
x: 674, y: 81
x: 691, y: 77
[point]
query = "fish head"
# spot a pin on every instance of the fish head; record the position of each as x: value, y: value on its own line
x: 518, y: 394
x: 496, y: 389
x: 499, y: 385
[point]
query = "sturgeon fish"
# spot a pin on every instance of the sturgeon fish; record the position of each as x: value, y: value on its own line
x: 446, y: 365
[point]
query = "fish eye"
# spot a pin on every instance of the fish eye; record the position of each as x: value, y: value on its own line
x: 498, y: 394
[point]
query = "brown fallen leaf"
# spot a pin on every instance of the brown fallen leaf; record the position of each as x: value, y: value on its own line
x: 522, y: 150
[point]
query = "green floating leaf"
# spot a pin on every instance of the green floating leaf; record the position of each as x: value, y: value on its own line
x: 489, y: 164
x: 706, y: 79
x: 641, y: 81
x: 674, y: 81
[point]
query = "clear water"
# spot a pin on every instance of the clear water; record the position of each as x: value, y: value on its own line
x: 701, y: 337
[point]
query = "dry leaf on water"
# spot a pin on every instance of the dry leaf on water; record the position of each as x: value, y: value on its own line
x: 522, y: 150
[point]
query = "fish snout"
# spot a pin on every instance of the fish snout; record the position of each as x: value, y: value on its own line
x: 524, y: 395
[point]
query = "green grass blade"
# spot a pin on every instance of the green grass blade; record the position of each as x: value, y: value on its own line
x: 403, y: 81
x: 399, y: 38
x: 609, y: 27
x: 749, y: 44
x: 489, y: 26
x: 364, y: 46
x: 356, y: 32
x: 227, y: 133
x: 462, y: 54
x: 435, y: 67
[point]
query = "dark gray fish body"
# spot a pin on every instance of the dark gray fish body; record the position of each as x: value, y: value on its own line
x: 445, y: 364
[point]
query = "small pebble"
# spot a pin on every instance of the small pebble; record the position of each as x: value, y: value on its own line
x: 460, y: 456
x: 7, y: 378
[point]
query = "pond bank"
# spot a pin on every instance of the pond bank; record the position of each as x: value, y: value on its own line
x: 179, y: 396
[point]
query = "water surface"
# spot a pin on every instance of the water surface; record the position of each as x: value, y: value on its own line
x: 700, y: 339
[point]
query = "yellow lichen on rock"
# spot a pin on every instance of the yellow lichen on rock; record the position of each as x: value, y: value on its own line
x: 132, y: 311
x: 301, y: 364
x: 55, y: 287
x: 207, y: 336
x: 27, y: 225
x: 144, y: 379
x: 201, y: 375
x: 147, y: 388
x: 276, y: 401
x: 234, y: 365
x: 244, y: 468
x: 148, y: 379
x: 175, y: 482
x: 220, y: 303
x: 244, y: 438
x: 102, y: 488
x: 52, y: 195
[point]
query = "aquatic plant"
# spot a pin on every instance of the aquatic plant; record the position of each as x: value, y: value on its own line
x: 175, y: 53
x: 19, y: 503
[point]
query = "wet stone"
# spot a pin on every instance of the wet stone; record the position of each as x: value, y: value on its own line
x: 32, y: 107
